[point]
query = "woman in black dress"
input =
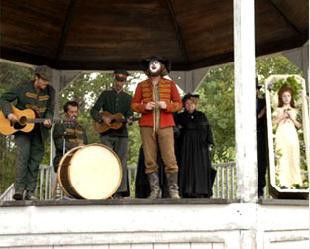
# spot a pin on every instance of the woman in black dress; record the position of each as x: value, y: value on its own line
x: 196, y: 176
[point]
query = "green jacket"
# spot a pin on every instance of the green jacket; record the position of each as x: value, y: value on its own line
x: 75, y: 136
x: 113, y: 102
x: 27, y: 97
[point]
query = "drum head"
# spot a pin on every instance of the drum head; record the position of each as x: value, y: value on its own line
x: 95, y: 172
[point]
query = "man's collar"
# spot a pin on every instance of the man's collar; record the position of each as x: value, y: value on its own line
x: 118, y: 92
x: 151, y: 81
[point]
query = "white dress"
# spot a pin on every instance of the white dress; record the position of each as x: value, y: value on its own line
x: 287, y: 149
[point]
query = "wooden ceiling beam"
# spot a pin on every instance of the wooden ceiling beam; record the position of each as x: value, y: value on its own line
x: 279, y: 46
x: 261, y: 49
x: 65, y: 30
x: 21, y: 56
x: 287, y: 20
x: 178, y: 30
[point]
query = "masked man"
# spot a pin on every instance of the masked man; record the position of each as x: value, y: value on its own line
x: 156, y: 99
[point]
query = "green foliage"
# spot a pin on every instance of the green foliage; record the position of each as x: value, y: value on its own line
x: 217, y: 101
x: 134, y: 144
x: 275, y: 64
x: 85, y: 90
x: 7, y: 162
x: 290, y: 82
x: 13, y: 75
x: 10, y: 76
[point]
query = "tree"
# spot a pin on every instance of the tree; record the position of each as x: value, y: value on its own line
x: 217, y: 100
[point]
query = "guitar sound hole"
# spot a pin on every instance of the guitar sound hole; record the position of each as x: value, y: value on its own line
x: 18, y: 126
x: 23, y: 120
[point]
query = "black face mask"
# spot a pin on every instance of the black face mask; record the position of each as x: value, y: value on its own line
x: 120, y: 78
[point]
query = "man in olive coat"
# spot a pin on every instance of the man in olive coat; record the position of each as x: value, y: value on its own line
x: 39, y: 96
x: 116, y: 100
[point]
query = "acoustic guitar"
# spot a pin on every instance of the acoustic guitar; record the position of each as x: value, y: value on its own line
x: 26, y: 121
x: 117, y: 121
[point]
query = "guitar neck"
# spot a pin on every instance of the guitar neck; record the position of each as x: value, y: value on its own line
x: 41, y: 120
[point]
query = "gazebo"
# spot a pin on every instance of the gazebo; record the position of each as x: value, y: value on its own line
x: 74, y: 36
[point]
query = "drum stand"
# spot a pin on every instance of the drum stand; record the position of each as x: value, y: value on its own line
x: 58, y: 193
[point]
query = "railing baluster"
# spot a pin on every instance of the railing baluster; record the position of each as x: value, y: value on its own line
x: 41, y: 181
x: 231, y: 172
x: 226, y: 183
x: 50, y: 184
x: 222, y: 182
x: 217, y: 183
x: 46, y: 183
x: 234, y: 181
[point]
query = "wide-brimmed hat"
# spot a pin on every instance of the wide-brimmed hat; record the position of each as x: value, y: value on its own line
x: 164, y: 61
x: 44, y: 72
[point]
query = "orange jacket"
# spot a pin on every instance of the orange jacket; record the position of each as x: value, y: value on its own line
x: 168, y: 92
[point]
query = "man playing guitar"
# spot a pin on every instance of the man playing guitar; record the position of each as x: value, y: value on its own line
x: 39, y: 96
x: 115, y: 101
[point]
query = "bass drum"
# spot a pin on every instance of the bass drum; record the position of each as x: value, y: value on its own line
x: 90, y: 172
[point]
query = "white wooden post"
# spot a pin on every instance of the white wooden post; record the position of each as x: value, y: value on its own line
x: 245, y: 100
x: 56, y: 86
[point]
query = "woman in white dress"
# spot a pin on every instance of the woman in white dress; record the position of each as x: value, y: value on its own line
x: 286, y: 141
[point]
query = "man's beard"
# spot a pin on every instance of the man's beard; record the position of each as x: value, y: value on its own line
x: 156, y: 73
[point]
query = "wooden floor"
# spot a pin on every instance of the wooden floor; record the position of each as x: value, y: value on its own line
x: 154, y: 224
x: 129, y: 201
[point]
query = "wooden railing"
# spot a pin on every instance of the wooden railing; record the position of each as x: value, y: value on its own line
x: 225, y: 182
x: 224, y: 185
x: 7, y: 195
x: 45, y: 187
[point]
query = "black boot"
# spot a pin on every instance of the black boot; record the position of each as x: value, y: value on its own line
x: 18, y: 195
x: 172, y: 179
x: 30, y: 195
x: 154, y: 186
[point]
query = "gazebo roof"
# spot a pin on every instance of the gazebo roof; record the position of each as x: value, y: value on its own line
x: 96, y: 34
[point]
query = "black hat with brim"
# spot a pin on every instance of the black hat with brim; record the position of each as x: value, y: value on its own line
x: 164, y: 61
x: 189, y: 96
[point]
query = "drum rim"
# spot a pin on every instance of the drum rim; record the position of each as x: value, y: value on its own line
x: 81, y: 147
x: 60, y: 166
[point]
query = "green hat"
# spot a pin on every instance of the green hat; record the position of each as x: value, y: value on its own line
x: 44, y: 72
x: 121, y: 71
